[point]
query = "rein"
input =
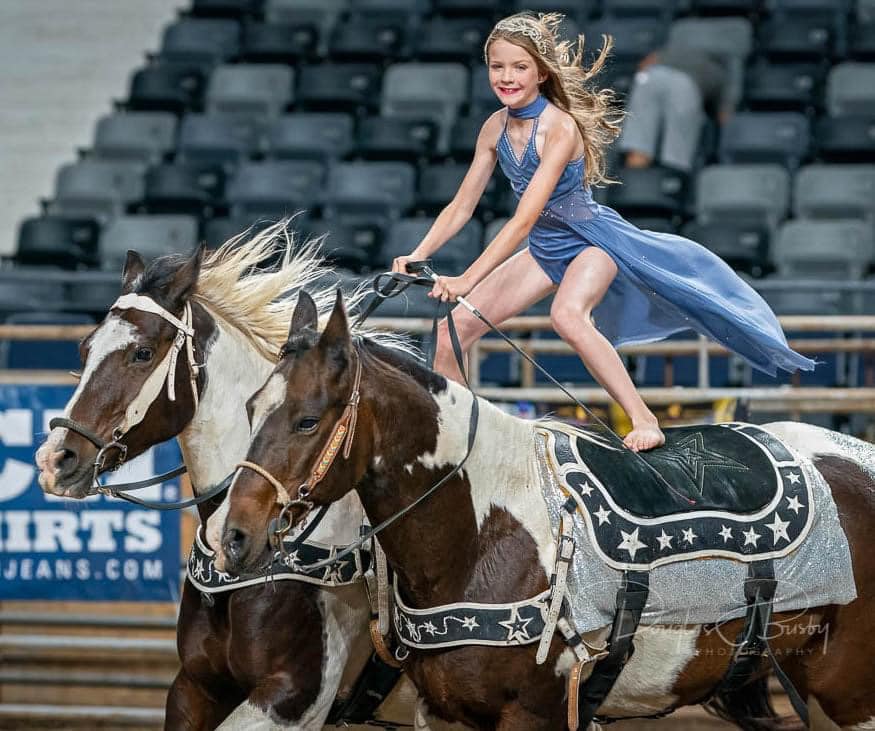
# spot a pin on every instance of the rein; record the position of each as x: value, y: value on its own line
x: 136, y: 411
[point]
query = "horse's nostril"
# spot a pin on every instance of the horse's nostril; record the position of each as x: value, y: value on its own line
x: 234, y: 543
x: 67, y: 462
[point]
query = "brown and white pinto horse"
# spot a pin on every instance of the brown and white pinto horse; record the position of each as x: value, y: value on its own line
x: 485, y: 536
x: 264, y: 657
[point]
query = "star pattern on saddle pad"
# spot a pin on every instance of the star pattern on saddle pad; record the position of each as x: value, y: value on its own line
x: 469, y: 623
x: 794, y: 504
x: 779, y: 529
x: 334, y: 571
x: 693, y: 457
x: 664, y: 540
x: 631, y: 543
x: 725, y: 532
x: 516, y: 626
x: 751, y: 537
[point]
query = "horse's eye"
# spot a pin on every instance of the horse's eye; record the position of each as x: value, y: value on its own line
x: 143, y: 355
x: 308, y: 424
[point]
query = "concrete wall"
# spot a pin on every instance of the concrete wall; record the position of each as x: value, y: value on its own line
x: 62, y: 62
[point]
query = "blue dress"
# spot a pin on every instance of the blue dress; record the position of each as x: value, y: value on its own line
x: 665, y: 283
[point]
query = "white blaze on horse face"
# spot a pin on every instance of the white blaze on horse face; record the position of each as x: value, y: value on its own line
x: 501, y: 468
x: 268, y: 400
x: 645, y: 685
x: 114, y: 334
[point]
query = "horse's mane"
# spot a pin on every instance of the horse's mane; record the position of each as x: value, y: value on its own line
x: 258, y: 299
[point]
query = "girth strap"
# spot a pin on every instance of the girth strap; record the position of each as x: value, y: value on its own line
x: 631, y: 600
x: 753, y: 643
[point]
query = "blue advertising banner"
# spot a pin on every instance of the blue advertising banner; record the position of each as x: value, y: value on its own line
x: 99, y: 548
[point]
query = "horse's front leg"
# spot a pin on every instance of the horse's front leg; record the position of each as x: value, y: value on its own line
x: 190, y: 707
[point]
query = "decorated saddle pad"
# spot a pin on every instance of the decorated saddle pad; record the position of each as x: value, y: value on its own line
x: 732, y: 490
x: 702, y: 505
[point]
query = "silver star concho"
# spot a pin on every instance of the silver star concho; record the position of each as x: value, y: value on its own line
x: 664, y: 540
x: 603, y: 515
x: 726, y: 532
x: 631, y: 543
x: 517, y: 626
x: 793, y: 477
x: 779, y: 529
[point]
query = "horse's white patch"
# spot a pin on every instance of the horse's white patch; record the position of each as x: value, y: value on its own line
x: 811, y: 441
x: 114, y: 334
x: 501, y: 467
x: 249, y: 717
x: 268, y: 400
x: 865, y: 726
x: 644, y: 687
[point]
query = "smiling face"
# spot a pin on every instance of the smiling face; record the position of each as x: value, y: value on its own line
x: 513, y: 74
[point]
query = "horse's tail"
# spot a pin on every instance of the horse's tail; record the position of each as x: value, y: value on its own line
x: 749, y: 707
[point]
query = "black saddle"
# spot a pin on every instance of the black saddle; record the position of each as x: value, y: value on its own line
x: 731, y: 490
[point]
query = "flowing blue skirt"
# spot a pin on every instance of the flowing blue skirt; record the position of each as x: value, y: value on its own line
x: 666, y: 284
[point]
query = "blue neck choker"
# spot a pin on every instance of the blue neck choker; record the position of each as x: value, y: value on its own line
x: 530, y: 111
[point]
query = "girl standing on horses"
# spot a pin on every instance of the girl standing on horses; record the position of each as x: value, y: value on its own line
x: 615, y: 284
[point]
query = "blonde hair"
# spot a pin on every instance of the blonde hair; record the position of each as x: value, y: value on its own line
x: 595, y: 111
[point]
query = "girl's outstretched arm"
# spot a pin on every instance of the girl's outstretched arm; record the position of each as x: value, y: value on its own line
x: 459, y: 210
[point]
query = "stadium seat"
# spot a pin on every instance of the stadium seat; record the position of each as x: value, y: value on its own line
x: 729, y: 38
x: 451, y: 259
x: 204, y: 42
x: 56, y: 241
x: 850, y: 89
x: 835, y: 191
x: 145, y: 136
x: 840, y: 249
x: 339, y: 87
x: 846, y: 139
x: 451, y: 39
x: 662, y: 9
x: 28, y: 289
x: 352, y: 247
x: 861, y: 43
x: 180, y: 187
x: 279, y: 43
x: 392, y: 138
x: 250, y: 90
x: 725, y: 7
x: 224, y: 8
x: 166, y: 86
x: 310, y: 135
x: 653, y: 191
x: 786, y: 296
x: 433, y: 91
x: 578, y: 10
x: 275, y: 188
x: 654, y: 223
x: 798, y: 38
x: 487, y: 9
x: 744, y: 246
x: 370, y: 38
x: 322, y: 14
x: 743, y: 193
x: 42, y: 354
x: 97, y: 188
x: 205, y: 138
x: 865, y: 10
x: 463, y: 136
x: 151, y: 236
x: 369, y: 191
x: 766, y: 137
x: 634, y: 38
x: 784, y: 87
x: 438, y: 184
x: 218, y: 231
x: 413, y: 10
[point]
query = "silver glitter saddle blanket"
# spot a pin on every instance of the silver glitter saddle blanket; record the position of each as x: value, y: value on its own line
x: 731, y: 490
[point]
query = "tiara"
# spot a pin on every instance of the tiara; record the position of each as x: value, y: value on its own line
x: 524, y: 27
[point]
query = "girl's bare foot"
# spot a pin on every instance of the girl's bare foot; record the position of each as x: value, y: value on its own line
x: 645, y: 436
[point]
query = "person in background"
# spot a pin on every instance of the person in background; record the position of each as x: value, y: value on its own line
x: 673, y: 93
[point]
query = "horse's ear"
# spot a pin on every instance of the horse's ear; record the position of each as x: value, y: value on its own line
x: 305, y: 317
x: 183, y: 282
x: 134, y: 266
x: 335, y: 338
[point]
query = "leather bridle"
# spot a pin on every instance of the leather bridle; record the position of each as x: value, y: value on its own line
x: 136, y: 411
x: 341, y: 435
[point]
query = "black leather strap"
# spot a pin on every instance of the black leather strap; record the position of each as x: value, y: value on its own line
x: 631, y: 600
x: 375, y: 682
